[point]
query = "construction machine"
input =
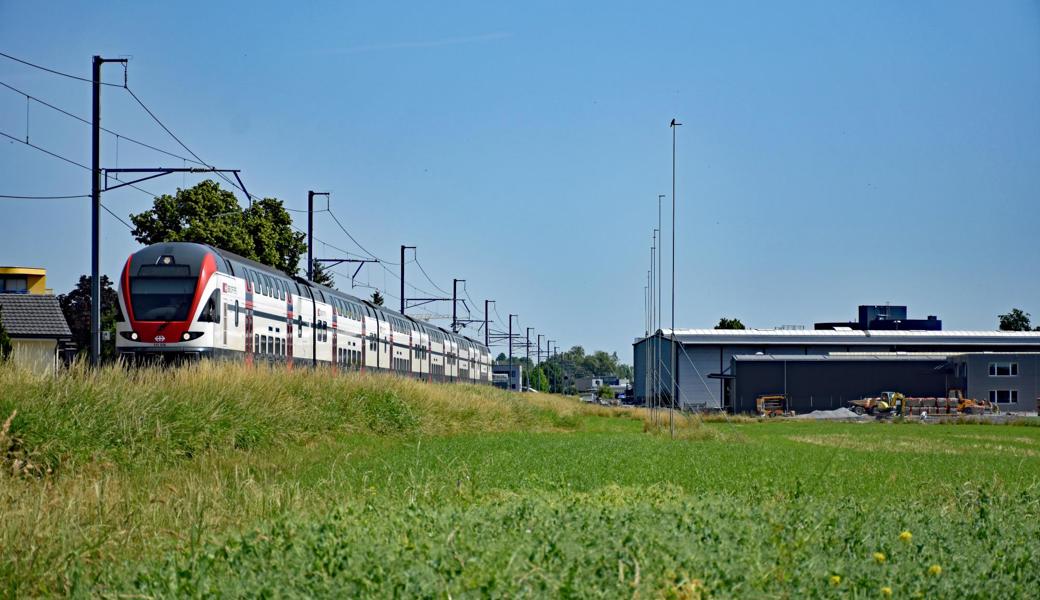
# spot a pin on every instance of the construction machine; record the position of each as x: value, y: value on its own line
x: 771, y: 406
x: 886, y: 404
x: 970, y: 406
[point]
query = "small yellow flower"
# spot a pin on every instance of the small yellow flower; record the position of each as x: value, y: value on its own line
x: 935, y: 570
x: 835, y: 580
x: 906, y: 536
x: 886, y: 592
x: 879, y: 557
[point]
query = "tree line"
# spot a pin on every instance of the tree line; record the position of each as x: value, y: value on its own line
x: 559, y: 373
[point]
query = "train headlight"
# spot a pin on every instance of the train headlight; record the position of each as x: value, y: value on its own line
x: 186, y: 336
x: 133, y: 335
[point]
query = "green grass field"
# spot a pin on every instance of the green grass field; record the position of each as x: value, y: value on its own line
x: 219, y: 480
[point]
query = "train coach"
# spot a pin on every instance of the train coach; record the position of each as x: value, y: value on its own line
x: 184, y: 300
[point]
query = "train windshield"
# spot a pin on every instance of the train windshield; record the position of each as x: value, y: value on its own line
x: 161, y: 299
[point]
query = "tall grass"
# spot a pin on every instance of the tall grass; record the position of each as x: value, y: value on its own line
x: 103, y: 465
x: 119, y: 417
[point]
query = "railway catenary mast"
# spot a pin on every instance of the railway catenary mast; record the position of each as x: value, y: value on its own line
x: 188, y: 301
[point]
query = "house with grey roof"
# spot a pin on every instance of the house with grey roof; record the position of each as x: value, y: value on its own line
x: 37, y: 329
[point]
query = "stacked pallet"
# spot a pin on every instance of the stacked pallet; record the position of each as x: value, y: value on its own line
x: 931, y: 406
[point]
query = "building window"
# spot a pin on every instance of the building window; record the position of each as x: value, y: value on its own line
x: 14, y: 285
x: 1003, y: 396
x: 1003, y: 369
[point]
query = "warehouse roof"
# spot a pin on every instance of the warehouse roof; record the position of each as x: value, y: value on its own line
x: 844, y: 357
x: 852, y: 336
x: 33, y: 316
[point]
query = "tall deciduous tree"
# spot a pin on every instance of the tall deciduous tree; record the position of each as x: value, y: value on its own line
x: 207, y: 214
x: 76, y: 307
x: 538, y: 379
x: 725, y: 323
x: 1016, y: 320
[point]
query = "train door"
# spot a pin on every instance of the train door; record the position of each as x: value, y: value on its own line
x: 289, y: 317
x: 335, y: 333
x: 386, y: 338
x: 250, y: 345
x: 304, y: 349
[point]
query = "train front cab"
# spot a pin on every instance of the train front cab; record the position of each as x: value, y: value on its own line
x: 171, y: 295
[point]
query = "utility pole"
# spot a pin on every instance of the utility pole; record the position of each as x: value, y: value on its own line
x: 547, y: 357
x: 538, y: 349
x: 487, y: 332
x: 657, y: 313
x: 454, y: 303
x: 511, y: 345
x: 675, y: 389
x: 310, y: 231
x: 652, y: 257
x: 403, y: 248
x: 646, y: 338
x: 95, y: 210
x: 527, y: 346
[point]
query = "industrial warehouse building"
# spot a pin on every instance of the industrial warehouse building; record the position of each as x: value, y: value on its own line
x: 825, y: 382
x: 706, y: 378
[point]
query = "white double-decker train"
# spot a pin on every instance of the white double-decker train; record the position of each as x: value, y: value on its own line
x: 183, y: 300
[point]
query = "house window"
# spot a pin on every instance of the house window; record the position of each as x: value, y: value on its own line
x: 1003, y: 396
x: 14, y: 285
x: 1003, y: 369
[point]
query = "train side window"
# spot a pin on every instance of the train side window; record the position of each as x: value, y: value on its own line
x: 236, y: 313
x: 256, y: 342
x: 211, y: 312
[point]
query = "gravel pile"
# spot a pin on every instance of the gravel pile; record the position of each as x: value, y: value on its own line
x: 830, y: 415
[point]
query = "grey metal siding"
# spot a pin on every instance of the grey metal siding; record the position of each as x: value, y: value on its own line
x: 696, y: 389
x: 1026, y: 383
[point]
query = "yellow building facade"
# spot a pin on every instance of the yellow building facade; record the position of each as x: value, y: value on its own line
x: 23, y: 280
x: 32, y: 317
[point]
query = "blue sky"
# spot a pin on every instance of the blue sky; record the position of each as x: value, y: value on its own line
x: 832, y: 153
